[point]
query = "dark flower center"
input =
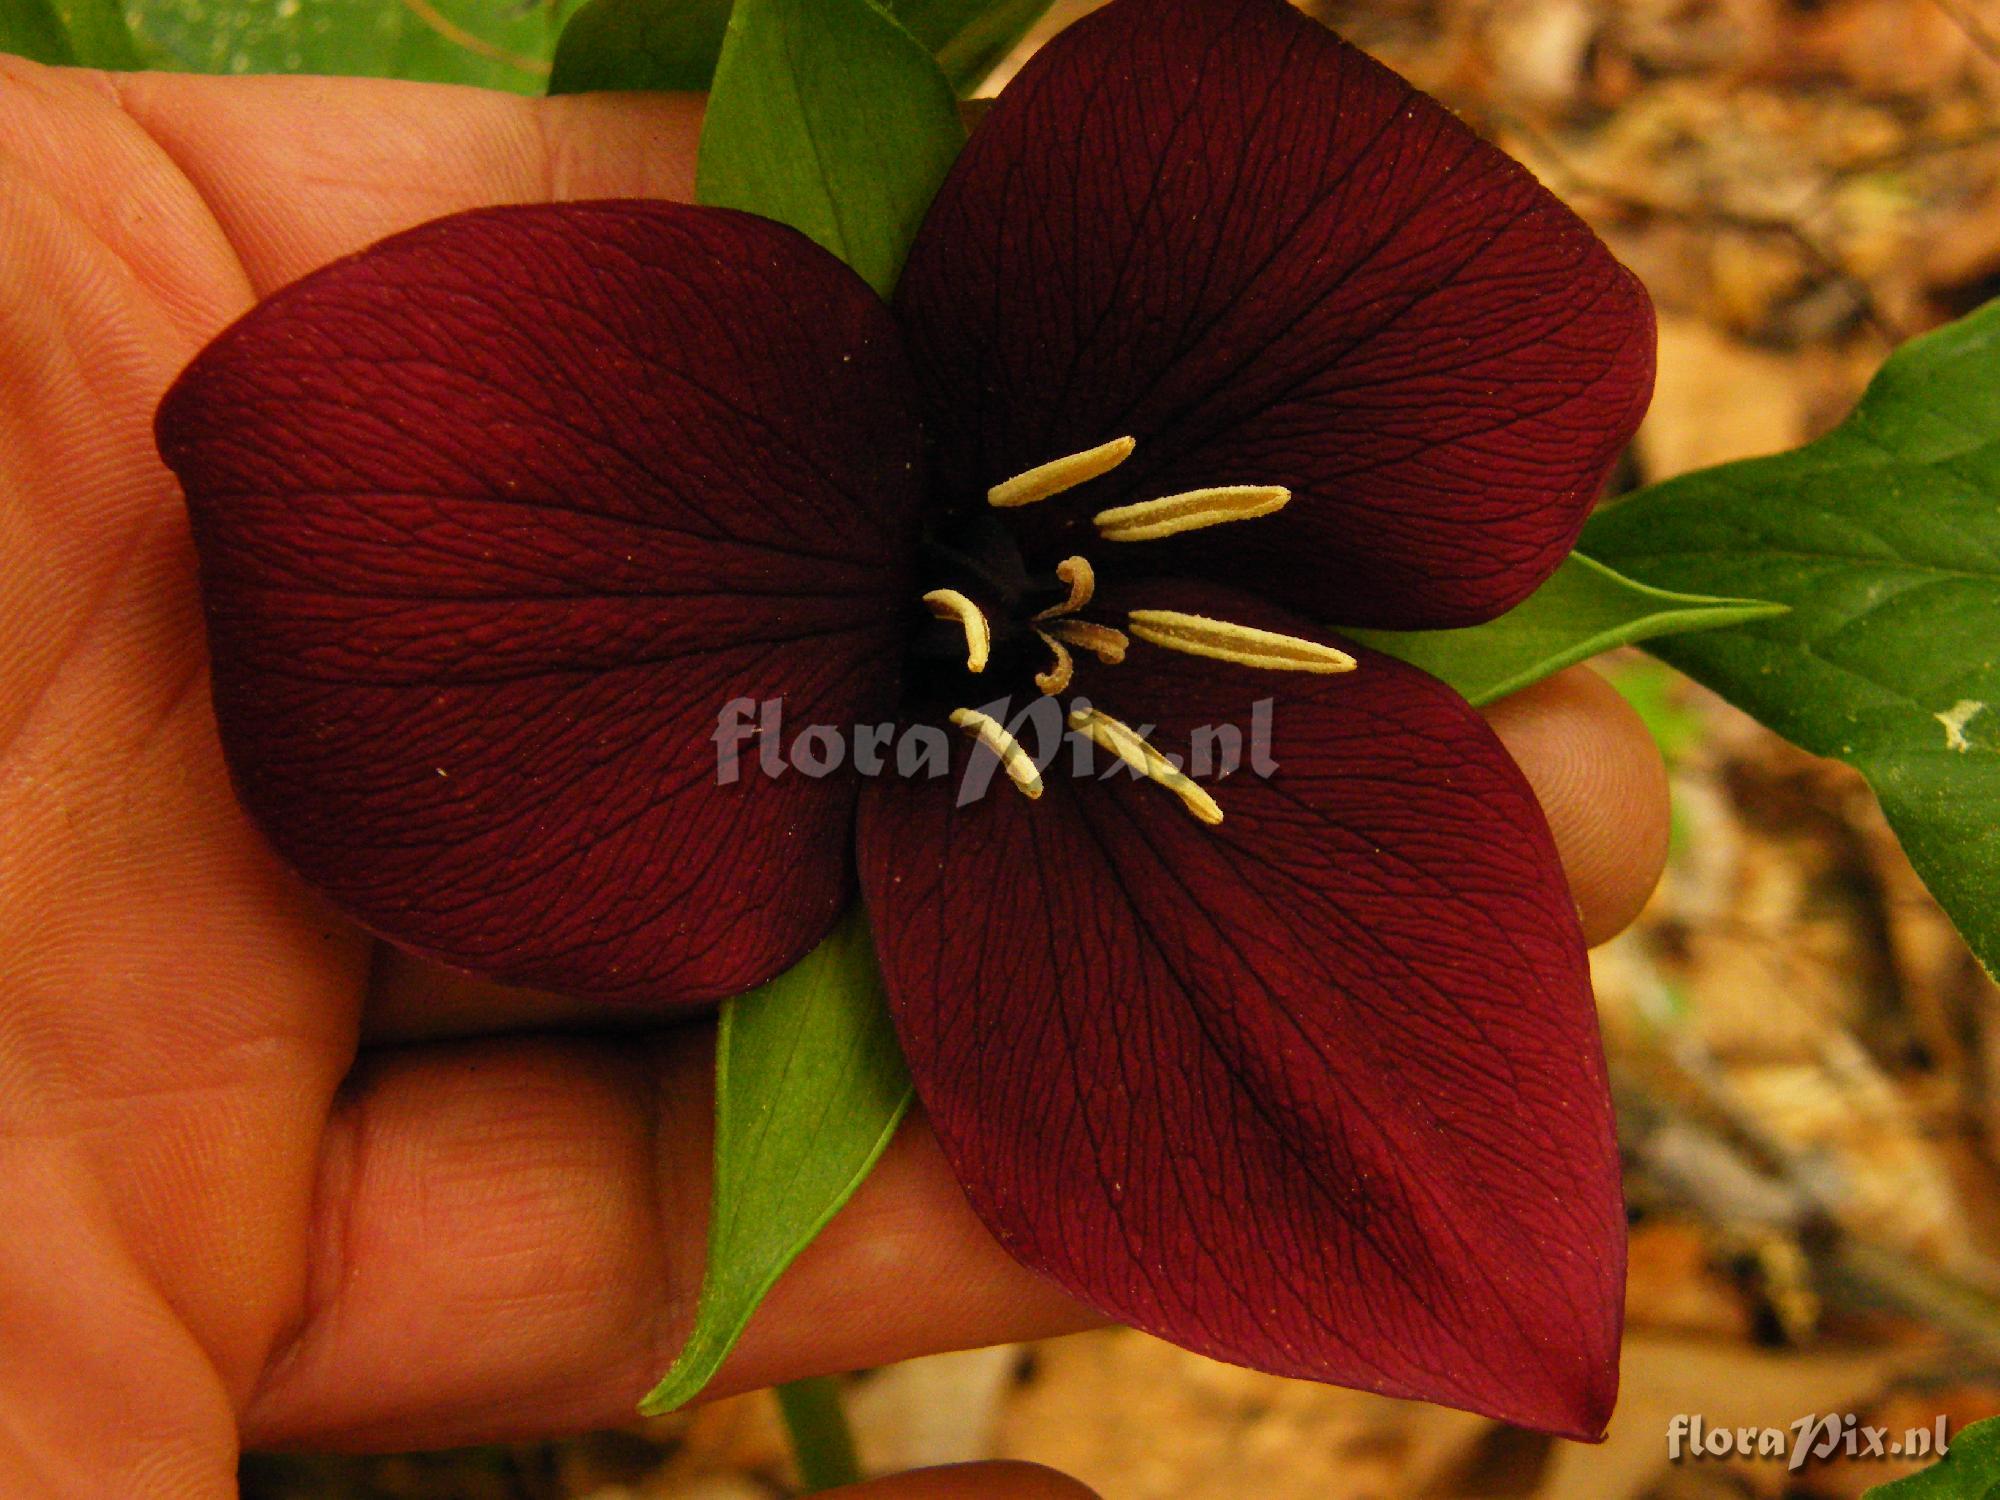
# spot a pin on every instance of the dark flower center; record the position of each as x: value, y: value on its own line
x: 993, y: 613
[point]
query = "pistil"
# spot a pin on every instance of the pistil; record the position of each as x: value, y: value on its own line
x: 1246, y: 646
x: 1132, y: 748
x: 1075, y: 574
x: 1061, y: 669
x: 1104, y: 642
x: 1016, y: 762
x: 991, y: 558
x: 1170, y: 515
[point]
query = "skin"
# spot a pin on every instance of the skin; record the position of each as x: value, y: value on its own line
x: 264, y: 1181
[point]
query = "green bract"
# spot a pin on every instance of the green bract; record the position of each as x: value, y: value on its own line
x: 1583, y: 609
x: 828, y: 116
x: 809, y: 1087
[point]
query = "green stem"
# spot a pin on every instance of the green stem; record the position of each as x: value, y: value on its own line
x: 822, y: 1444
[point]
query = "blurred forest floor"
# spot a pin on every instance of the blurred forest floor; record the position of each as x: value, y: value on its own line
x: 1808, y: 1059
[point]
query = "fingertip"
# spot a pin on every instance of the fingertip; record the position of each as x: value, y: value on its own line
x: 988, y: 1481
x: 1602, y: 784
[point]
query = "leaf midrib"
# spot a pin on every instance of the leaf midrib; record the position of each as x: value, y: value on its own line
x: 1794, y: 554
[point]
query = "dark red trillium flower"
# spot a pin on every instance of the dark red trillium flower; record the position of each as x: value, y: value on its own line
x: 1218, y: 334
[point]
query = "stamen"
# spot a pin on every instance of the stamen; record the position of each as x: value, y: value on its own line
x: 1190, y: 510
x: 1108, y: 645
x: 1122, y: 741
x: 990, y: 732
x: 1244, y: 645
x: 950, y: 604
x: 1082, y: 581
x: 1058, y: 675
x: 1060, y: 474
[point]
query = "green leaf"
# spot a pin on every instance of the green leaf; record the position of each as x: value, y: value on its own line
x: 809, y: 1087
x: 1583, y: 609
x: 491, y: 43
x: 102, y: 39
x: 1884, y: 537
x: 968, y: 37
x: 34, y: 29
x: 640, y: 45
x: 828, y: 116
x: 674, y: 44
x: 1970, y: 1471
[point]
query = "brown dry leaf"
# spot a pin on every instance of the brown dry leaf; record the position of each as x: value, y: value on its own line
x: 1902, y: 1412
x: 1141, y: 1420
x: 1726, y: 1385
x: 1542, y: 49
x: 1726, y: 37
x: 1673, y: 1285
x: 740, y: 1440
x: 1748, y: 998
x: 1886, y: 47
x: 1716, y: 400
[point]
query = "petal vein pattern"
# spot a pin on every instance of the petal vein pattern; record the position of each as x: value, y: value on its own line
x: 494, y: 519
x: 1315, y: 1089
x: 1214, y: 226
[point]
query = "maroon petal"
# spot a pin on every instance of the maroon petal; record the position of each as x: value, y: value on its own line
x: 1318, y: 1090
x: 494, y: 519
x: 1213, y: 226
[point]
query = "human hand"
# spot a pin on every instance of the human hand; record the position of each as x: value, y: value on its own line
x: 268, y: 1181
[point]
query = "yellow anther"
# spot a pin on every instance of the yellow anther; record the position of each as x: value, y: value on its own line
x: 1105, y: 643
x: 1190, y: 510
x: 1057, y: 677
x: 1129, y: 746
x: 990, y: 732
x: 1244, y: 645
x: 1060, y: 474
x: 950, y: 604
x: 1076, y: 574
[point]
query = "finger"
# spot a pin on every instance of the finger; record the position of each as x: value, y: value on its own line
x: 412, y: 999
x: 999, y: 1481
x: 543, y: 1202
x: 300, y: 171
x: 1598, y: 773
x: 509, y: 1233
x: 508, y: 1239
x: 1588, y: 756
